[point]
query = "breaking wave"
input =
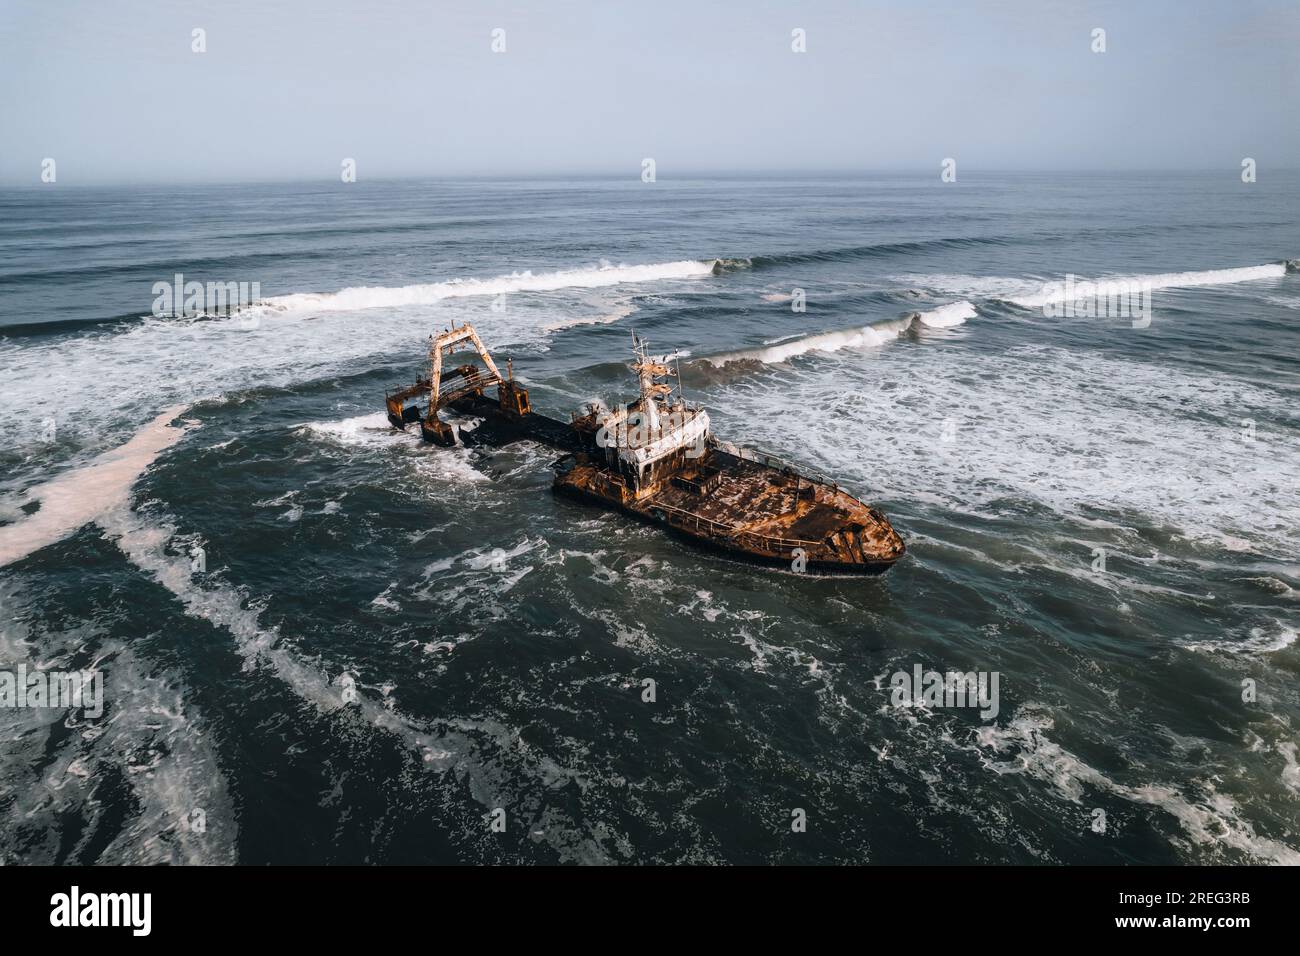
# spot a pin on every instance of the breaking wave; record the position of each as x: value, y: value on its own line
x: 946, y: 316
x: 1056, y: 292
x: 851, y: 253
x: 615, y: 314
x: 867, y: 336
x: 374, y: 297
x: 250, y: 349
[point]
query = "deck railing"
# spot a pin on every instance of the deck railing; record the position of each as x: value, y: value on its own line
x: 772, y: 461
x: 681, y: 518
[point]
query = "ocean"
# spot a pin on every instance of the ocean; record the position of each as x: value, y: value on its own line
x: 321, y: 641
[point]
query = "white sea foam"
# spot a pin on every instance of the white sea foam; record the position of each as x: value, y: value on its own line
x: 946, y: 316
x: 616, y: 313
x: 56, y: 762
x: 372, y: 431
x: 981, y: 287
x: 1055, y: 292
x: 373, y: 297
x: 862, y: 337
x: 479, y: 579
x: 1034, y: 293
x: 366, y: 430
x: 81, y: 494
x: 1023, y: 747
x: 1083, y: 434
x: 1258, y: 641
x: 155, y: 362
x: 1291, y: 771
x: 177, y: 787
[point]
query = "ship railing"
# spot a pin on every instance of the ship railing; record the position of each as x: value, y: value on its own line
x: 681, y: 518
x: 773, y: 461
x: 470, y: 384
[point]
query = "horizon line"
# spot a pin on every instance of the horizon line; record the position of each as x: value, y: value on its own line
x: 624, y: 176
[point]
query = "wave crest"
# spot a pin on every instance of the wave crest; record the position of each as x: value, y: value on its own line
x: 866, y: 336
x: 1056, y: 291
x: 373, y: 297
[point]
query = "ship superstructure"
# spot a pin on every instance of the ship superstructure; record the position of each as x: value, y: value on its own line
x: 657, y: 435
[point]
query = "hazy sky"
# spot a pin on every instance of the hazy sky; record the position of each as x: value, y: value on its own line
x: 288, y: 88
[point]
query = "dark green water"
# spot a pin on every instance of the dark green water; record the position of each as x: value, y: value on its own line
x: 388, y: 642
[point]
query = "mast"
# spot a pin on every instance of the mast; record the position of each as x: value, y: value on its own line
x: 648, y: 373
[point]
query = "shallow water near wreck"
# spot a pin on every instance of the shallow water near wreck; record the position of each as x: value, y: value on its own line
x: 324, y: 642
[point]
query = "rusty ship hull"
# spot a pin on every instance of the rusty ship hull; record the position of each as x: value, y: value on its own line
x: 655, y: 460
x: 757, y: 512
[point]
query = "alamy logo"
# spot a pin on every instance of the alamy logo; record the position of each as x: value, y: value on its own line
x: 178, y: 297
x: 61, y: 689
x: 1103, y: 299
x: 103, y: 909
x: 953, y: 689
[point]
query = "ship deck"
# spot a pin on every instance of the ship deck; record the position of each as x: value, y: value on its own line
x: 756, y: 498
x: 755, y: 509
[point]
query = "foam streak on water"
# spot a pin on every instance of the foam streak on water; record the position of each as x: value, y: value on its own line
x: 83, y: 494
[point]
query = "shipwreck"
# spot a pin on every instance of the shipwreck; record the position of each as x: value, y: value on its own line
x: 655, y: 459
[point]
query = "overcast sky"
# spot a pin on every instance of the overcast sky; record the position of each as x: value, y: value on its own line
x: 288, y: 88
